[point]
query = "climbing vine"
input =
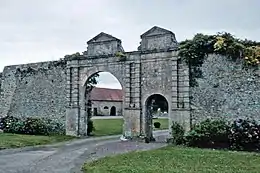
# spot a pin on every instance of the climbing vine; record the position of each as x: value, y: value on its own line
x: 121, y: 56
x: 195, y: 50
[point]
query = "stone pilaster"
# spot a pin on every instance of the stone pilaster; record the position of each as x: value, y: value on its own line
x: 174, y: 95
x: 73, y: 109
x: 132, y: 108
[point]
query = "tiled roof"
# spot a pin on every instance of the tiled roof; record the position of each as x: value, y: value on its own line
x: 106, y: 94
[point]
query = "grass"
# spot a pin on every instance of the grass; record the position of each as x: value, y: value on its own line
x: 105, y: 127
x: 177, y: 160
x: 164, y: 123
x: 8, y: 140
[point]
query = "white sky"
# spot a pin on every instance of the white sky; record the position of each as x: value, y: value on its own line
x: 43, y: 30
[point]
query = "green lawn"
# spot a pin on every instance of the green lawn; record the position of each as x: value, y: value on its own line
x: 164, y: 124
x: 105, y: 127
x: 177, y: 160
x: 8, y: 140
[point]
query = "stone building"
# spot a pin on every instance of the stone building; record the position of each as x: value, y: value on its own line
x: 57, y: 89
x: 106, y: 101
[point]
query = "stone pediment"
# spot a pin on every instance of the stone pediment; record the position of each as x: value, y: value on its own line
x: 103, y: 44
x: 103, y: 37
x: 156, y: 31
x: 158, y: 38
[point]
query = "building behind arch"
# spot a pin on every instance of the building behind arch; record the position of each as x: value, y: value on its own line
x: 106, y: 101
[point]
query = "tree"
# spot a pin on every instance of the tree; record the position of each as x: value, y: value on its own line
x: 90, y: 84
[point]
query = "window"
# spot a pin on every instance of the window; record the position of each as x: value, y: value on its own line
x: 105, y: 107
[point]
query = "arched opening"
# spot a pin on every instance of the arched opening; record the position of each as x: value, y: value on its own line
x: 113, y: 111
x: 156, y: 108
x: 102, y: 89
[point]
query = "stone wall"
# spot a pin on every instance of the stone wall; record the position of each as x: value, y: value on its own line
x: 56, y: 89
x: 226, y: 90
x: 1, y: 75
x: 34, y: 90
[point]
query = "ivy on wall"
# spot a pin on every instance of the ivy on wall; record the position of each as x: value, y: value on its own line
x: 194, y: 51
x: 22, y: 72
x: 73, y: 56
x: 121, y: 56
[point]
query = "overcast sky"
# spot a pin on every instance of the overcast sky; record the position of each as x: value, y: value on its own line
x: 42, y: 30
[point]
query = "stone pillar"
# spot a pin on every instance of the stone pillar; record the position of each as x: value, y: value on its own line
x: 132, y: 122
x: 174, y: 100
x: 132, y: 105
x: 186, y: 112
x: 83, y: 112
x: 72, y: 112
x: 180, y: 108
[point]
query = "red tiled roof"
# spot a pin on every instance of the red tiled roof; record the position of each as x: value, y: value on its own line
x: 106, y: 94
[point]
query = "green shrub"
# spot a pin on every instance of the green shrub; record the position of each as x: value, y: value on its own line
x: 32, y: 126
x: 11, y: 124
x: 90, y: 127
x: 55, y: 126
x: 245, y: 135
x: 209, y: 134
x: 157, y: 125
x: 177, y: 133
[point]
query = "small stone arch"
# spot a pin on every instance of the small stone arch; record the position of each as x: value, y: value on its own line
x: 149, y: 101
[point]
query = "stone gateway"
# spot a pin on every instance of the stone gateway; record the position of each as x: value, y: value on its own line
x: 58, y: 88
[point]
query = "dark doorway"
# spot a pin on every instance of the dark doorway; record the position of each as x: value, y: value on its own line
x: 95, y: 112
x: 113, y: 111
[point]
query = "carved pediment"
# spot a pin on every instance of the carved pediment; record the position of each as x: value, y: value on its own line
x: 158, y: 38
x: 103, y: 44
x: 156, y: 31
x: 103, y: 37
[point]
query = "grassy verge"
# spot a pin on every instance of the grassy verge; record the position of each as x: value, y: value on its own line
x: 105, y: 127
x: 8, y: 140
x: 179, y: 160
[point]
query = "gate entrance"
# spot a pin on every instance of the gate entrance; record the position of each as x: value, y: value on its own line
x: 154, y: 69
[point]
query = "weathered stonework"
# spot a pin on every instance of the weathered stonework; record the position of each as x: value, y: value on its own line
x: 227, y: 90
x: 57, y: 89
x: 155, y: 68
x: 34, y: 90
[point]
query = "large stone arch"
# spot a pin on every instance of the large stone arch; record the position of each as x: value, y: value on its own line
x: 83, y: 82
x: 154, y: 69
x: 98, y: 69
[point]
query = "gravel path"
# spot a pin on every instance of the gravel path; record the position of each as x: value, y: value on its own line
x: 69, y: 158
